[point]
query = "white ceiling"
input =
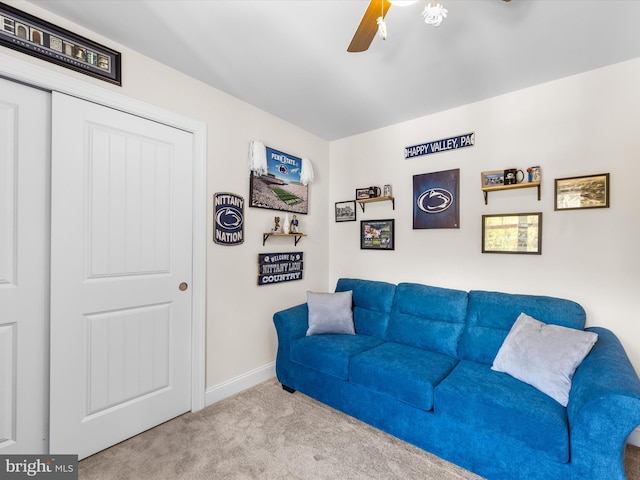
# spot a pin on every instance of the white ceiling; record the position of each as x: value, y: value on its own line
x: 289, y: 57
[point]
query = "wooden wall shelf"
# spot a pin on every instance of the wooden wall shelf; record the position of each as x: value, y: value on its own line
x: 296, y: 239
x: 486, y: 190
x: 377, y: 199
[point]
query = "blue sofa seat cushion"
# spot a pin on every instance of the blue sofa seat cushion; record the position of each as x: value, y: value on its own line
x: 406, y: 373
x: 428, y: 317
x: 330, y: 354
x: 486, y: 400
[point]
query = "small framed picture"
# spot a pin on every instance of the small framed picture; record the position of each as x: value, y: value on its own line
x: 590, y: 191
x: 362, y: 193
x: 346, y: 211
x: 377, y: 234
x: 512, y: 233
x: 494, y: 178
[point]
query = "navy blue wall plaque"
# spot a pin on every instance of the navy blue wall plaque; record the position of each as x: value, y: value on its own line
x: 228, y: 219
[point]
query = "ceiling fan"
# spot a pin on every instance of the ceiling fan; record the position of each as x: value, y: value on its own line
x: 373, y: 22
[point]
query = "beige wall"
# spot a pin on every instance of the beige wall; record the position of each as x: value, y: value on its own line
x: 581, y: 125
x: 575, y: 126
x: 240, y: 332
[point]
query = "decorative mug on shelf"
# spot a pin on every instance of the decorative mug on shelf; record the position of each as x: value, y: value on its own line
x: 534, y: 174
x: 511, y: 176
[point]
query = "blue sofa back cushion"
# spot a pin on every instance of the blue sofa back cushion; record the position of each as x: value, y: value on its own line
x: 372, y: 302
x: 492, y: 314
x: 426, y: 317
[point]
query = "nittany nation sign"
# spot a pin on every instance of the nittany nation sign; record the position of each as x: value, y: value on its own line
x: 228, y: 219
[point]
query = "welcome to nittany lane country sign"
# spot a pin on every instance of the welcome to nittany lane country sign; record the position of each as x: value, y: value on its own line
x: 228, y: 219
x: 279, y: 267
x: 444, y: 145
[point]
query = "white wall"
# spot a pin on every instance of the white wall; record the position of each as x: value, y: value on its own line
x: 581, y: 125
x: 240, y: 333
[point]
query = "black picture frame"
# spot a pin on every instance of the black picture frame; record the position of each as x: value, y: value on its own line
x: 46, y: 41
x: 515, y: 233
x: 377, y: 235
x: 346, y: 211
x: 362, y: 193
x: 578, y: 193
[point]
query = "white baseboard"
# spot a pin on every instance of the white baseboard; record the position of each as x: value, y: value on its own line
x: 634, y: 438
x: 238, y: 384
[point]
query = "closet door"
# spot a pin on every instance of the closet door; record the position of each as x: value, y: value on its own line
x: 24, y: 268
x: 121, y: 268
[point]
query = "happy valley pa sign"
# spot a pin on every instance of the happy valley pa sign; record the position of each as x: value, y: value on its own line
x: 443, y: 145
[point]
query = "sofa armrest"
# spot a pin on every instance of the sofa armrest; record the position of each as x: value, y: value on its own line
x: 603, y: 409
x: 290, y: 324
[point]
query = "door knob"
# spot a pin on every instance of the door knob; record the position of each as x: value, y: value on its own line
x: 183, y: 286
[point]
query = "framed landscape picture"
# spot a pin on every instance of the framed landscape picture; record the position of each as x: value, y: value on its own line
x: 377, y: 235
x: 512, y: 233
x: 590, y: 191
x: 346, y: 211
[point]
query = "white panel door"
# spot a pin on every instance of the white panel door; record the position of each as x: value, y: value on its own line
x: 24, y: 268
x: 121, y: 267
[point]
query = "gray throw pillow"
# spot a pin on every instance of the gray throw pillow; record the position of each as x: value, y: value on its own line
x: 544, y: 356
x: 330, y: 313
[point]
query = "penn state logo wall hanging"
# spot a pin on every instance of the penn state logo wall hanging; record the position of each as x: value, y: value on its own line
x: 228, y: 219
x: 435, y: 200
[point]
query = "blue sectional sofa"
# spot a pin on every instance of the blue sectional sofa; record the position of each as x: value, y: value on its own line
x: 419, y: 366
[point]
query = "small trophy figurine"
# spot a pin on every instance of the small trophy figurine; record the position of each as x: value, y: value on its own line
x: 294, y: 224
x: 276, y: 227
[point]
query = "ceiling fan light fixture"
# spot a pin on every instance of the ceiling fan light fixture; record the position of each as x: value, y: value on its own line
x: 434, y: 15
x: 382, y: 28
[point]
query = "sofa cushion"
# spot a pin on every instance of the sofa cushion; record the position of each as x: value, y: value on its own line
x: 330, y: 354
x: 402, y: 372
x: 490, y: 401
x: 330, y: 313
x: 428, y: 317
x: 544, y: 356
x: 372, y: 301
x: 491, y: 315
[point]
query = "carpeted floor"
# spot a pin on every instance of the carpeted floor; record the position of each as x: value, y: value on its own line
x: 267, y: 433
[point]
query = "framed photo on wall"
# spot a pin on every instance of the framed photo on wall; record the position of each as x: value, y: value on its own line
x: 346, y: 211
x: 377, y: 234
x: 590, y: 191
x: 46, y: 41
x: 435, y: 200
x: 512, y: 233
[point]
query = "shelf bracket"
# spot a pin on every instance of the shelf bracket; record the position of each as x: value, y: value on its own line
x: 296, y: 237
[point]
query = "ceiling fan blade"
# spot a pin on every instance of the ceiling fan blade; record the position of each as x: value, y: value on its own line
x: 368, y: 25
